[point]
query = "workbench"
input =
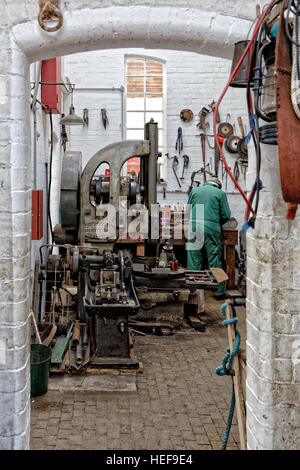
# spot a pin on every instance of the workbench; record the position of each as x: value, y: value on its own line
x: 229, y: 241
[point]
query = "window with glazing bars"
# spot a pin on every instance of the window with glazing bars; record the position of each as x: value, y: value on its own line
x: 144, y: 100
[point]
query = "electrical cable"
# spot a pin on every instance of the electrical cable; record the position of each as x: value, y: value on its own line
x: 50, y: 175
x: 256, y: 29
x: 266, y: 134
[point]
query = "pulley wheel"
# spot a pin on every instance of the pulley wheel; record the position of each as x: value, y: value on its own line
x: 70, y: 192
x: 231, y: 144
x: 225, y: 129
x: 98, y: 192
x: 75, y: 264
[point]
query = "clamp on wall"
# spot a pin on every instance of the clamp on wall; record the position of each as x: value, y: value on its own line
x: 49, y: 10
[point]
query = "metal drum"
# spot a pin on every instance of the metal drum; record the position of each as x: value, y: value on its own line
x: 240, y: 80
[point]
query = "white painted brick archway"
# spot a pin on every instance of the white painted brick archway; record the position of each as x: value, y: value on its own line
x: 175, y: 24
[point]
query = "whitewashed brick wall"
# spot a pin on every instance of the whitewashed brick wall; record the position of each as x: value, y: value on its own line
x: 273, y: 318
x: 209, y: 27
x: 192, y: 81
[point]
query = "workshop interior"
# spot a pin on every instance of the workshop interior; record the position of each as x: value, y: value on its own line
x: 125, y: 144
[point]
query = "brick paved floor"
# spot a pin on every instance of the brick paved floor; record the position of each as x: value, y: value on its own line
x: 180, y: 404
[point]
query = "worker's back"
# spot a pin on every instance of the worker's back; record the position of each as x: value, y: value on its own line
x: 216, y: 208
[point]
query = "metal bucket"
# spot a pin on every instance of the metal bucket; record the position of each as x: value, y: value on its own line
x: 240, y: 80
x: 40, y: 365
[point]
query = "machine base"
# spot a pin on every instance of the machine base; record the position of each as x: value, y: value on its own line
x: 114, y: 363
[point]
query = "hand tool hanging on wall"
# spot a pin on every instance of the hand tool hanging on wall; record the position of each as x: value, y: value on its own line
x: 174, y: 166
x: 240, y: 121
x: 179, y: 141
x: 236, y: 170
x: 63, y: 135
x: 202, y: 117
x: 225, y: 175
x: 203, y: 139
x: 104, y: 118
x: 212, y: 106
x: 186, y: 160
x: 220, y: 138
x: 202, y: 170
x: 85, y: 117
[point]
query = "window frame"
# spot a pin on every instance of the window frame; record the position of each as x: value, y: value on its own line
x: 146, y: 58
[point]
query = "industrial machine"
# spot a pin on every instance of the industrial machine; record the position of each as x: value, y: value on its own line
x: 91, y: 277
x: 92, y: 223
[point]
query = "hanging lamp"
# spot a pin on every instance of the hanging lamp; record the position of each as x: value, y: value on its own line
x: 72, y: 119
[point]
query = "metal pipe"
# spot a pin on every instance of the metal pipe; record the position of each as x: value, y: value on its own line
x: 47, y: 196
x: 33, y: 107
x: 76, y: 334
x: 101, y: 89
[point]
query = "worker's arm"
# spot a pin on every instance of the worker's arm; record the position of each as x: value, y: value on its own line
x: 190, y: 202
x: 225, y: 210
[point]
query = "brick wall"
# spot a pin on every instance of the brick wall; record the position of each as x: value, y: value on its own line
x: 273, y: 327
x: 192, y: 81
x: 273, y: 380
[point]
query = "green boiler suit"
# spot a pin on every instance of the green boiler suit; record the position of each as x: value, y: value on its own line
x: 215, y: 212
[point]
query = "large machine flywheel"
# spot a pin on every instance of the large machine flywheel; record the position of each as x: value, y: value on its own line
x: 70, y: 194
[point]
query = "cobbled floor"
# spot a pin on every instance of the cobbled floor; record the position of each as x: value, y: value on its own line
x: 180, y: 403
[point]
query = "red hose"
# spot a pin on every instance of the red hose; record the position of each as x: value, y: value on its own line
x: 258, y: 24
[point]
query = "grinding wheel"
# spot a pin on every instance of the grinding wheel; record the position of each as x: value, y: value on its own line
x: 225, y: 129
x: 231, y: 144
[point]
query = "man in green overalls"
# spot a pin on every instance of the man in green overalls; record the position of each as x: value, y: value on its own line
x: 206, y: 221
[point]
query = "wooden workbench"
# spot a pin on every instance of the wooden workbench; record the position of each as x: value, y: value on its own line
x: 229, y: 240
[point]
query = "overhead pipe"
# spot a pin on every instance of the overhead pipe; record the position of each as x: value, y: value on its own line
x: 38, y: 68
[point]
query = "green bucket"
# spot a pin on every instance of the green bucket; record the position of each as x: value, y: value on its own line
x: 40, y: 358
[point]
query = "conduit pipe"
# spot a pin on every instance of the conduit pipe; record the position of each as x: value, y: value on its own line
x: 38, y: 67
